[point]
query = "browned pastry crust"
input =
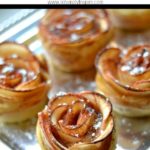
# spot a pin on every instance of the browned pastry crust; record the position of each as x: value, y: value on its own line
x: 130, y: 19
x: 126, y: 79
x: 76, y: 121
x: 73, y: 37
x: 23, y: 83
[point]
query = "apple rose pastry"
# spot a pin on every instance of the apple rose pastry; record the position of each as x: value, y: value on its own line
x: 24, y: 84
x: 130, y: 19
x: 76, y: 121
x: 126, y: 79
x: 73, y: 37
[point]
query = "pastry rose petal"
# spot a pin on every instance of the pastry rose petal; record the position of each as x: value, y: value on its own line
x: 130, y: 19
x: 73, y: 37
x: 76, y: 121
x: 126, y: 79
x: 24, y: 84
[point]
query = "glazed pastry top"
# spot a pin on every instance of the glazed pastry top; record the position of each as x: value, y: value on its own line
x: 130, y: 70
x: 76, y: 120
x: 75, y: 25
x: 136, y: 62
x: 12, y: 73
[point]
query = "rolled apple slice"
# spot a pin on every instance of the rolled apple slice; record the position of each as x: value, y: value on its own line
x: 76, y: 121
x: 73, y: 37
x: 24, y: 85
x: 125, y: 79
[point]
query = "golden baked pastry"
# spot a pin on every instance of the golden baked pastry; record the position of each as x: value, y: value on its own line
x: 125, y: 79
x: 77, y: 121
x: 73, y: 37
x: 130, y: 19
x: 24, y: 84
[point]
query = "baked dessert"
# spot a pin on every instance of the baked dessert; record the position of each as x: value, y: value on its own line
x: 130, y: 19
x: 76, y: 121
x: 24, y: 84
x: 72, y: 37
x: 125, y: 79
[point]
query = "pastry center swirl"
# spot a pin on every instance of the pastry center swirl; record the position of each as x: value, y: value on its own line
x: 73, y: 24
x: 13, y: 73
x: 137, y: 63
x: 78, y: 119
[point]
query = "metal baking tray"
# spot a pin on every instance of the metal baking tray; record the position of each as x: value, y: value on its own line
x: 133, y: 133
